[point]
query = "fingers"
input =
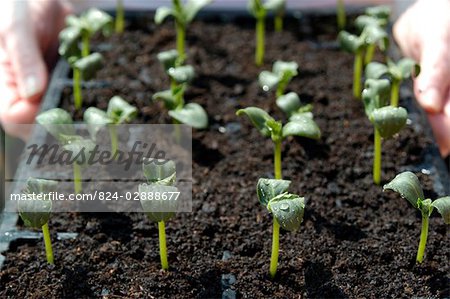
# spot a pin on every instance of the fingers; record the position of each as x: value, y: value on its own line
x: 26, y: 60
x: 432, y: 84
x: 441, y: 129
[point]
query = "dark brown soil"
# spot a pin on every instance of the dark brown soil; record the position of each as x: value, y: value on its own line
x: 355, y: 242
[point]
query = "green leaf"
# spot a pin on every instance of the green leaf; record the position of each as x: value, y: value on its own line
x: 381, y: 12
x: 77, y: 145
x: 389, y: 120
x: 266, y: 189
x: 159, y: 171
x: 376, y: 70
x: 349, y: 42
x: 288, y: 210
x: 408, y: 68
x: 182, y: 74
x: 89, y: 65
x: 256, y: 8
x: 443, y: 206
x: 283, y: 68
x: 162, y: 13
x: 268, y: 80
x: 68, y: 42
x: 191, y: 114
x: 168, y: 59
x: 303, y: 126
x: 158, y: 210
x: 170, y: 100
x: 289, y: 103
x: 120, y: 111
x: 364, y: 21
x: 275, y: 128
x: 192, y: 7
x: 95, y: 119
x: 57, y: 122
x: 258, y: 118
x: 275, y: 5
x: 35, y: 211
x: 408, y: 185
x: 375, y: 95
x: 98, y: 20
x: 375, y: 35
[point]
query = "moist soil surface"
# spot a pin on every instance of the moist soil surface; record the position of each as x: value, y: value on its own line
x: 356, y: 241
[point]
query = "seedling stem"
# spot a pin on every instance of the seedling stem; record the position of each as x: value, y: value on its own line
x: 395, y: 90
x: 77, y: 88
x: 277, y: 160
x: 278, y: 23
x: 162, y: 245
x: 48, y: 244
x: 119, y: 17
x: 377, y: 158
x: 369, y: 54
x: 358, y: 67
x: 423, y: 238
x: 113, y: 136
x: 260, y: 28
x: 86, y: 47
x: 275, y: 248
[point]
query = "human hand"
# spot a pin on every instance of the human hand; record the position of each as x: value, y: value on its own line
x: 423, y: 33
x: 28, y: 45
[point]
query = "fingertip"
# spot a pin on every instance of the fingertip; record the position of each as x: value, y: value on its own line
x: 430, y: 99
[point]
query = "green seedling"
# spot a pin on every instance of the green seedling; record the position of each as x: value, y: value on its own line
x: 408, y: 185
x: 358, y: 45
x: 280, y: 76
x: 80, y: 30
x: 374, y: 16
x: 387, y: 120
x: 291, y: 105
x: 118, y: 112
x: 341, y: 16
x: 59, y: 124
x: 183, y: 14
x: 191, y: 114
x: 287, y: 210
x: 279, y: 8
x: 120, y: 17
x: 36, y: 208
x: 396, y: 72
x: 299, y: 125
x: 259, y: 10
x: 158, y: 198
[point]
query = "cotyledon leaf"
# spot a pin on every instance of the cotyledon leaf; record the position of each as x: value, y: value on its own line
x: 266, y: 189
x: 408, y: 186
x: 443, y: 206
x: 288, y: 210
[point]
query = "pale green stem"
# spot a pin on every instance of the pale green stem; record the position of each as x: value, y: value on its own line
x: 114, y: 141
x: 370, y: 51
x: 260, y: 33
x: 275, y: 248
x: 341, y: 16
x: 120, y: 23
x: 77, y: 100
x: 48, y: 244
x: 162, y: 245
x: 278, y: 22
x: 181, y: 40
x: 177, y: 130
x: 85, y: 50
x: 77, y: 178
x: 357, y: 70
x: 377, y: 158
x: 277, y: 160
x: 423, y: 239
x: 395, y: 92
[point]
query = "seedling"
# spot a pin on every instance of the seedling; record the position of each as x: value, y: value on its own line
x: 118, y: 112
x: 280, y: 76
x: 396, y: 72
x: 120, y: 15
x: 298, y: 125
x: 259, y: 10
x: 82, y: 28
x: 60, y: 125
x: 374, y: 16
x: 287, y: 210
x: 183, y: 15
x: 36, y: 207
x: 408, y: 186
x: 191, y: 114
x: 387, y: 120
x: 371, y: 35
x: 341, y: 15
x: 158, y: 198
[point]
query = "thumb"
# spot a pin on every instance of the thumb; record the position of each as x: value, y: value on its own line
x: 26, y: 60
x: 432, y: 83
